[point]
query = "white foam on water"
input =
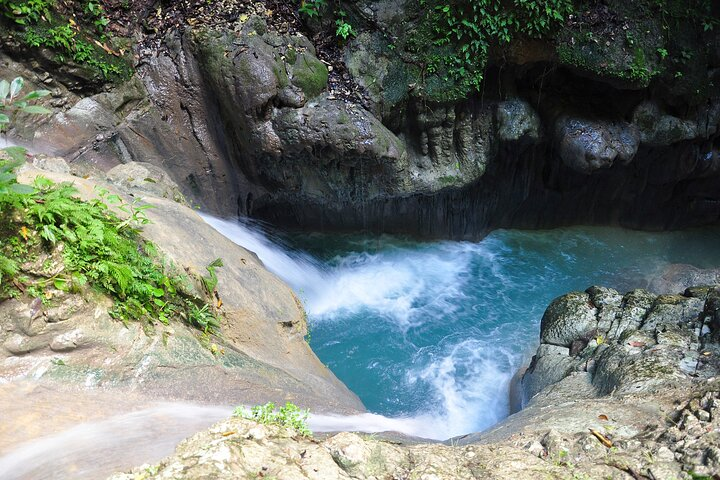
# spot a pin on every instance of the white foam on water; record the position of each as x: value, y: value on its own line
x: 410, y: 287
x: 471, y: 381
x: 400, y: 284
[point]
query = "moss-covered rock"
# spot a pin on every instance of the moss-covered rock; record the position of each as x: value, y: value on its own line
x: 309, y: 74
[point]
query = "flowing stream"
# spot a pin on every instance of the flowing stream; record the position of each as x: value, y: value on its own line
x: 430, y: 334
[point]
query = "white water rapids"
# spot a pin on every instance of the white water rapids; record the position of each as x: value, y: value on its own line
x: 429, y: 334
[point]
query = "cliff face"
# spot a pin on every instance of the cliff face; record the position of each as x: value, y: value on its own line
x: 610, y: 118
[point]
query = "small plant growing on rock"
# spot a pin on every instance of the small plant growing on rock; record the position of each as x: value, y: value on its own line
x: 290, y: 416
x: 311, y: 8
x: 96, y: 247
x: 344, y: 29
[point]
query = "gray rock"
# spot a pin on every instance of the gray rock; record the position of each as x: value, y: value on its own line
x: 67, y: 341
x: 568, y: 318
x: 146, y: 178
x: 588, y: 145
x: 549, y: 365
x: 18, y: 344
x: 659, y: 129
x: 642, y: 342
x: 51, y: 164
x: 238, y: 448
x: 676, y: 278
x: 516, y: 119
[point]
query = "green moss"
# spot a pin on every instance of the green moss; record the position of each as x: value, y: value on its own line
x: 291, y: 55
x: 310, y: 75
x: 343, y: 118
x: 281, y: 74
x: 77, y: 43
x: 448, y: 180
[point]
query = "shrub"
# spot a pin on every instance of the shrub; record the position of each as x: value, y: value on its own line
x: 288, y: 416
x: 98, y: 248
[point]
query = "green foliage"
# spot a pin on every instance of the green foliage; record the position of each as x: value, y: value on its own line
x: 76, y: 33
x: 210, y: 282
x: 96, y: 12
x: 98, y: 248
x: 11, y: 102
x: 25, y: 12
x: 288, y: 416
x: 344, y: 29
x: 462, y: 32
x: 311, y: 8
x: 67, y: 41
x: 103, y: 250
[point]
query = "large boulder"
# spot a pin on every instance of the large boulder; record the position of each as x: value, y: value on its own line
x: 516, y: 120
x: 639, y: 342
x: 237, y: 448
x: 259, y: 355
x: 660, y: 129
x: 588, y: 145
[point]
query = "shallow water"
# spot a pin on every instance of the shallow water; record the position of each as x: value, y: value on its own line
x: 431, y: 333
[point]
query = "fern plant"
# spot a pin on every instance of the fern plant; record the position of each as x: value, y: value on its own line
x: 98, y: 248
x: 290, y: 416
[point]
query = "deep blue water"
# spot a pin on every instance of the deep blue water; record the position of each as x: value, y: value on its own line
x: 436, y: 330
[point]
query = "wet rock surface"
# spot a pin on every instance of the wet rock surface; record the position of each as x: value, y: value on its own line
x: 668, y: 435
x: 239, y: 448
x: 260, y: 355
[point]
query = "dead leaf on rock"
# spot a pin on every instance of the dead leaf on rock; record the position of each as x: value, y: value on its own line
x: 603, y: 439
x: 603, y: 417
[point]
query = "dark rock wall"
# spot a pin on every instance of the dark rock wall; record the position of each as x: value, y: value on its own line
x: 246, y: 121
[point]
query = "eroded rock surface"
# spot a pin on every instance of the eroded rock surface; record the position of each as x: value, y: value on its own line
x: 637, y: 342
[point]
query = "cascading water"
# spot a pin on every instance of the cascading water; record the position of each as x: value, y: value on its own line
x: 428, y: 334
x: 431, y: 334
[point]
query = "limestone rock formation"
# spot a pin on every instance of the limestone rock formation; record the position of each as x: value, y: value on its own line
x: 589, y: 145
x: 261, y: 354
x: 637, y: 342
x: 238, y: 448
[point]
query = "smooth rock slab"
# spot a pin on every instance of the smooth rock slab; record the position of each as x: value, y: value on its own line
x: 67, y: 341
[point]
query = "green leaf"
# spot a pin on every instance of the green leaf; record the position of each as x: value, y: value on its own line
x: 48, y: 234
x: 158, y: 292
x: 4, y: 89
x: 22, y: 189
x: 36, y: 110
x: 4, y: 118
x: 36, y: 94
x: 17, y: 154
x: 61, y: 284
x: 16, y: 86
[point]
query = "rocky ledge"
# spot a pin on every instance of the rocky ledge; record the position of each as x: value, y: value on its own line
x: 621, y: 387
x: 67, y: 340
x: 244, y: 112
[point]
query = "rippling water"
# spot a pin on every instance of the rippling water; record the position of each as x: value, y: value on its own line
x: 428, y: 334
x: 433, y: 332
